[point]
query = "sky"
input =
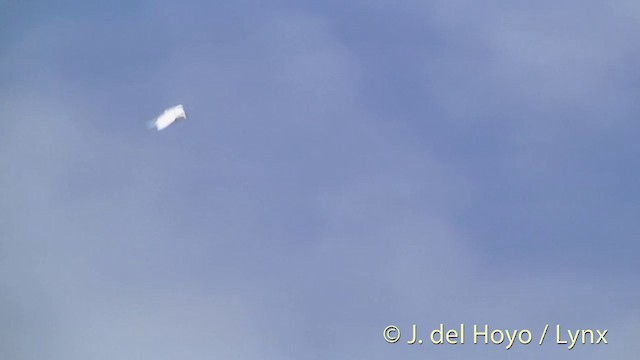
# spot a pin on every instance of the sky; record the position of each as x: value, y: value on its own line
x: 344, y: 166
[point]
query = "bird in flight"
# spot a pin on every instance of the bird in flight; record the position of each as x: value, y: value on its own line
x: 168, y: 117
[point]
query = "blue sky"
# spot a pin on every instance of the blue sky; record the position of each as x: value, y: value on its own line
x: 344, y: 166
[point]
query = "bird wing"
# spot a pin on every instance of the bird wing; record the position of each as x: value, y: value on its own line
x: 164, y: 120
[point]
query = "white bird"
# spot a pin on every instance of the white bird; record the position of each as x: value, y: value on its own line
x: 168, y: 117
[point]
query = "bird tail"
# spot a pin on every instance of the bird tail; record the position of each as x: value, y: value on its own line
x: 151, y: 124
